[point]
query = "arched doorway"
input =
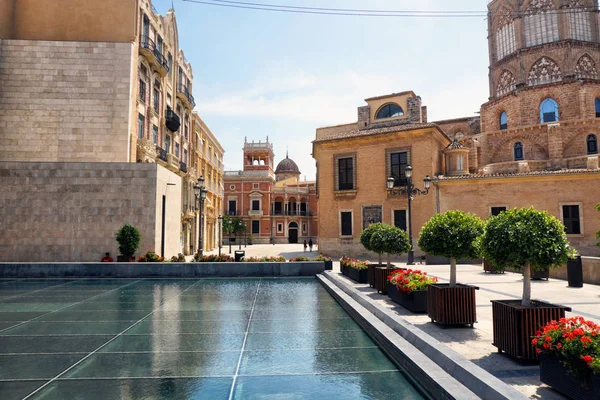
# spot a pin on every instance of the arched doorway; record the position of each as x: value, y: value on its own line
x: 293, y: 233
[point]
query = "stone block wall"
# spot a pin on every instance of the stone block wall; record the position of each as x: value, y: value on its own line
x: 64, y: 101
x: 71, y: 211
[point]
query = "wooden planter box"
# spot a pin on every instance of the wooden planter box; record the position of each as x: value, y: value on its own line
x: 358, y: 275
x: 488, y: 267
x: 371, y: 273
x: 515, y: 325
x: 538, y: 275
x: 415, y: 302
x: 452, y: 306
x: 555, y: 375
x: 381, y: 275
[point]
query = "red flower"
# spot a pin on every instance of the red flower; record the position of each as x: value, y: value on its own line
x: 548, y: 338
x: 534, y: 341
x: 587, y: 359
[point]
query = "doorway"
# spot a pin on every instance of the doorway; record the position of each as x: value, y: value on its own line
x: 293, y: 233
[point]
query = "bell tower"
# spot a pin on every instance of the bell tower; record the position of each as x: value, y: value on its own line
x: 258, y: 156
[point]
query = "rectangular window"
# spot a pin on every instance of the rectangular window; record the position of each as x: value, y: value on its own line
x: 346, y: 174
x: 170, y: 61
x: 400, y: 219
x: 185, y: 156
x: 255, y: 227
x: 155, y: 134
x: 159, y: 44
x: 459, y: 163
x: 142, y: 90
x: 232, y: 208
x: 579, y: 25
x: 255, y: 205
x: 176, y: 149
x: 185, y: 131
x: 571, y: 219
x: 496, y: 210
x: 398, y: 164
x: 167, y: 143
x: 277, y: 208
x: 255, y: 185
x: 279, y: 228
x: 156, y: 100
x: 304, y: 228
x: 346, y: 217
x: 140, y: 126
x: 169, y: 100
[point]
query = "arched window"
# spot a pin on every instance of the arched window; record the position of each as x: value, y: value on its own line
x: 597, y: 105
x: 518, y: 151
x: 389, y: 111
x: 503, y: 121
x: 548, y: 110
x: 459, y: 135
x: 592, y: 144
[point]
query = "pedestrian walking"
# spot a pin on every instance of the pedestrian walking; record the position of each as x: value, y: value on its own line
x: 304, y: 244
x: 310, y: 243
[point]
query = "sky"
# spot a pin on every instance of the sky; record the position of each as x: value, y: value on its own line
x: 282, y: 75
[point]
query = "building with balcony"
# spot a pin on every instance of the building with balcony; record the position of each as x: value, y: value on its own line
x: 276, y: 206
x: 534, y: 144
x: 103, y: 91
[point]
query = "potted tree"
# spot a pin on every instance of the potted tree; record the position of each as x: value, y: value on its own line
x: 391, y: 240
x: 365, y: 240
x: 232, y: 226
x: 533, y: 240
x: 452, y: 234
x: 128, y: 237
x: 569, y: 351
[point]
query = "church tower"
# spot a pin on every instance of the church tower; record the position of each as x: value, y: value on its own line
x: 258, y: 156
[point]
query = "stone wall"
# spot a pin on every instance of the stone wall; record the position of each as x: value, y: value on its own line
x: 71, y: 211
x: 64, y: 101
x: 590, y: 267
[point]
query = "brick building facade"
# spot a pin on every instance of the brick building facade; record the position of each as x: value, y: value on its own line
x: 534, y: 144
x: 276, y: 206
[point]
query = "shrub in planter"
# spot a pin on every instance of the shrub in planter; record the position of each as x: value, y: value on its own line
x: 128, y: 237
x: 178, y: 258
x: 151, y: 257
x: 265, y: 259
x: 533, y: 240
x: 409, y: 289
x: 213, y: 258
x: 367, y: 234
x: 354, y: 269
x: 452, y: 234
x: 299, y: 259
x: 391, y: 240
x: 570, y: 356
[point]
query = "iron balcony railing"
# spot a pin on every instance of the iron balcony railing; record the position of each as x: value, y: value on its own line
x: 184, y: 89
x: 161, y: 153
x: 182, y: 166
x: 233, y: 213
x: 149, y: 44
x: 172, y: 120
x: 293, y: 213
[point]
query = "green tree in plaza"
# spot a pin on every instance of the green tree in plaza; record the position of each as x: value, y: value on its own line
x: 452, y: 234
x: 365, y: 238
x: 391, y: 240
x: 527, y: 238
x: 233, y: 226
x: 128, y: 237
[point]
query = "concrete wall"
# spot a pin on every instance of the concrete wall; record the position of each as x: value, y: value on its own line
x: 591, y: 271
x: 64, y: 101
x: 77, y: 20
x: 168, y: 184
x: 71, y: 211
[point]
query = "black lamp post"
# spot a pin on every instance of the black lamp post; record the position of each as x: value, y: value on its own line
x: 220, y: 232
x: 410, y: 190
x: 201, y: 193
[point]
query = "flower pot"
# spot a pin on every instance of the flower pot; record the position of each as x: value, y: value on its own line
x: 575, y: 272
x: 489, y: 267
x: 381, y: 281
x: 358, y: 275
x: 328, y: 265
x: 415, y: 302
x: 452, y: 306
x: 539, y: 275
x: 555, y: 375
x: 515, y: 325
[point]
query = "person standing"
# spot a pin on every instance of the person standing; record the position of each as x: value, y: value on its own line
x: 304, y: 244
x: 310, y: 244
x: 106, y: 258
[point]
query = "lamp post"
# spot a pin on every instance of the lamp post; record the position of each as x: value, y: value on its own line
x: 220, y: 232
x: 410, y: 190
x: 201, y: 192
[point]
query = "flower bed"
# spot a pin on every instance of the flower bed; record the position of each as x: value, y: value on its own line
x: 213, y: 258
x: 151, y: 257
x: 354, y: 269
x: 409, y: 289
x: 264, y: 259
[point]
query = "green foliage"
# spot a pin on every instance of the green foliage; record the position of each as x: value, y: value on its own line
x: 151, y: 257
x: 365, y: 236
x: 178, y: 258
x: 264, y: 259
x: 346, y: 262
x: 233, y: 225
x: 389, y: 239
x: 321, y: 257
x: 452, y: 234
x: 213, y: 258
x: 299, y: 258
x: 129, y: 238
x: 521, y: 236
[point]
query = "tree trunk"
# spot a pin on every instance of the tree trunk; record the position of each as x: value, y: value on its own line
x: 452, y: 272
x: 526, y: 300
x: 389, y: 260
x: 379, y: 259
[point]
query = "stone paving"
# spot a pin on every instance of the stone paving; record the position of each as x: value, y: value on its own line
x: 476, y: 344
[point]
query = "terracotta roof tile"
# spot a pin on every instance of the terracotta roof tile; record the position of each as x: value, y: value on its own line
x: 517, y: 174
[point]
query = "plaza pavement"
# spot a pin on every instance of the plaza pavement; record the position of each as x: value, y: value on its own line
x: 475, y: 344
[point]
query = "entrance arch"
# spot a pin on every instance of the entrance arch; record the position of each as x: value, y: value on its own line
x: 293, y: 232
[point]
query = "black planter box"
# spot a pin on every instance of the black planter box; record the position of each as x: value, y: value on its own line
x: 575, y: 272
x: 358, y: 275
x: 415, y: 302
x: 328, y: 265
x: 452, y: 305
x: 515, y: 325
x: 555, y: 375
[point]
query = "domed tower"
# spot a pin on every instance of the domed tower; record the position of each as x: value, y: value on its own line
x: 544, y: 86
x: 287, y: 169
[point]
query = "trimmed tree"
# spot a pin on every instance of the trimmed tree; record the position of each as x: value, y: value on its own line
x: 128, y: 237
x: 527, y: 238
x: 233, y: 226
x: 391, y: 240
x: 365, y: 238
x: 452, y: 234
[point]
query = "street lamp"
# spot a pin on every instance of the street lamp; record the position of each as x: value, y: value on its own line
x: 200, y: 192
x: 410, y: 190
x: 220, y: 232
